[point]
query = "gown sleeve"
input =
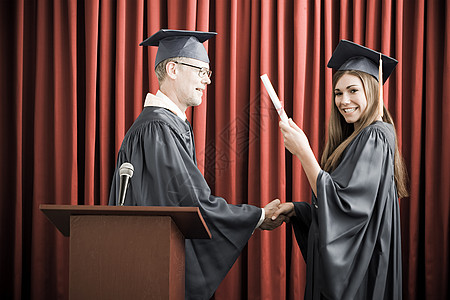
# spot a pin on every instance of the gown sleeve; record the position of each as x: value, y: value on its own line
x: 349, y: 207
x: 301, y: 224
x: 166, y: 174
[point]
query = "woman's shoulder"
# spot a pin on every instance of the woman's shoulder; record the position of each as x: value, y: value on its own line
x: 379, y: 130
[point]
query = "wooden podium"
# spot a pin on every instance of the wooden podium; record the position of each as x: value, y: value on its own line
x: 127, y: 252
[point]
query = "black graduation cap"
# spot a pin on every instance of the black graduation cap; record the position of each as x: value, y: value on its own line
x: 179, y: 43
x: 351, y: 56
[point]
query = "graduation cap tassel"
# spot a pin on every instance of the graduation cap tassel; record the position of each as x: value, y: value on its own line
x: 380, y: 86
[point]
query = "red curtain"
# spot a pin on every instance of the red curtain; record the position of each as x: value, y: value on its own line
x: 73, y: 79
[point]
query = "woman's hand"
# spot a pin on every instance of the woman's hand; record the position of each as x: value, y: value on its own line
x: 286, y: 209
x: 295, y: 139
x: 297, y: 143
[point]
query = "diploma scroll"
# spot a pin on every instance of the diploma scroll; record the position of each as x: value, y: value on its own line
x: 273, y: 96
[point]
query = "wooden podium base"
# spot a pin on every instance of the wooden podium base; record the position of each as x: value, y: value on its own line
x: 119, y: 252
x: 151, y: 258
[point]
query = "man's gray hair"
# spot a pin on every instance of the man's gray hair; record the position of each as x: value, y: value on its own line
x: 160, y: 69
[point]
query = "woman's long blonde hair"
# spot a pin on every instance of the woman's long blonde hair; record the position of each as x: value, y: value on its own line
x: 341, y: 133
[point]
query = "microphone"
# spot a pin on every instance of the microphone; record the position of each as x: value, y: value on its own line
x: 126, y: 172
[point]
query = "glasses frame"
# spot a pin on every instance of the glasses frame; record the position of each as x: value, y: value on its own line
x: 202, y: 71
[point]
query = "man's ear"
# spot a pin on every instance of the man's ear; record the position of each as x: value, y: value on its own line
x: 171, y: 69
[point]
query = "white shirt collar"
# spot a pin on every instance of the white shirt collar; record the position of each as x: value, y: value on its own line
x: 161, y: 100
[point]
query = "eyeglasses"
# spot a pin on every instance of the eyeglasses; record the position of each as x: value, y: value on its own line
x: 203, y: 72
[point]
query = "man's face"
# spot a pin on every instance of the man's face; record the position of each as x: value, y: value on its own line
x: 190, y: 86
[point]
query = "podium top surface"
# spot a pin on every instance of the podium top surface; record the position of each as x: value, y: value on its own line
x: 188, y: 219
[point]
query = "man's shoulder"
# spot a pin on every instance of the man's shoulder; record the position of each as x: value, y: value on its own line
x: 155, y: 113
x: 158, y: 116
x: 152, y: 123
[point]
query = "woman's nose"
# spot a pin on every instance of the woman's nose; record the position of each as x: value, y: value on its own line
x: 345, y: 99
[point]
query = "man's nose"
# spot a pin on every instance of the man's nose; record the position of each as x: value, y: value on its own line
x: 206, y: 80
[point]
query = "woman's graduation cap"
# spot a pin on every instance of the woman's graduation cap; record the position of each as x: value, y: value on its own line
x: 351, y: 56
x: 179, y: 43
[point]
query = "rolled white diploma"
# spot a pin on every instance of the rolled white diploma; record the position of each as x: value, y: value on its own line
x: 276, y: 102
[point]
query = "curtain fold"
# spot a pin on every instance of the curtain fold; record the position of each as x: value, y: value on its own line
x: 73, y: 79
x: 11, y: 257
x: 436, y: 159
x: 104, y: 96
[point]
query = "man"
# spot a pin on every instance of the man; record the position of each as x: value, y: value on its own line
x: 160, y: 146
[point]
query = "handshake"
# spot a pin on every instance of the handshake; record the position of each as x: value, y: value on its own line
x: 276, y: 214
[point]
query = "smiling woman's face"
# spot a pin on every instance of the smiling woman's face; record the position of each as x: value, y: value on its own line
x: 350, y: 98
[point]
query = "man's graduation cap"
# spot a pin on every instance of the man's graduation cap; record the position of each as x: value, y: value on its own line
x: 351, y: 56
x: 179, y: 43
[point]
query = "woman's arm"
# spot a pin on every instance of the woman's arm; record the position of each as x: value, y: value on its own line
x: 297, y: 143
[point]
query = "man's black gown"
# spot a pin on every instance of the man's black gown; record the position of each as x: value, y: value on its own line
x: 350, y: 234
x: 160, y: 146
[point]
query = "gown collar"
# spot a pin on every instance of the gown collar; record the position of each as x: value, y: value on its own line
x: 161, y: 100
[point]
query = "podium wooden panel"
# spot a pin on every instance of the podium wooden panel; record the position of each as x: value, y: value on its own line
x: 127, y: 252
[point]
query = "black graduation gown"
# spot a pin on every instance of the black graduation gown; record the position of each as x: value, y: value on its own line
x: 160, y: 146
x: 350, y: 234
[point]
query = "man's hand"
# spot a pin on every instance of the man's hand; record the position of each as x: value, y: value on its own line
x: 270, y: 209
x: 270, y: 224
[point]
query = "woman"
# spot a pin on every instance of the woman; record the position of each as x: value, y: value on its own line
x: 350, y: 234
